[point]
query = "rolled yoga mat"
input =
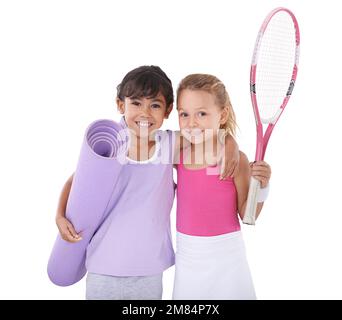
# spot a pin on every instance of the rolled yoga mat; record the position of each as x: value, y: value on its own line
x: 94, y: 181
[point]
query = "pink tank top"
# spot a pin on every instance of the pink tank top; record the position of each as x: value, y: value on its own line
x: 206, y: 205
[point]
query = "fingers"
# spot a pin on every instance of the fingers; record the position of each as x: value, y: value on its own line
x: 67, y: 236
x: 261, y: 171
x: 72, y: 231
x: 223, y: 166
x: 228, y: 170
x: 224, y: 169
x: 67, y: 231
x: 223, y: 173
x: 260, y: 167
x: 261, y: 163
x: 233, y: 169
x: 229, y: 165
x: 263, y: 181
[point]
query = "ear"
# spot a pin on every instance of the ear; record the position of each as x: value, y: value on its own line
x: 224, y: 115
x: 121, y: 105
x: 168, y: 111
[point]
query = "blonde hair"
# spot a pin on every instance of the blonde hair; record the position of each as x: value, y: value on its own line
x: 213, y: 85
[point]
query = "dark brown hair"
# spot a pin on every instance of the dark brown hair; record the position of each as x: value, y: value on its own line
x: 146, y: 81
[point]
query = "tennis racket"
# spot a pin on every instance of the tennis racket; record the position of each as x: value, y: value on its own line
x: 272, y: 78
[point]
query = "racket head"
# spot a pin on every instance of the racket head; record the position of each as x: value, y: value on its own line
x: 272, y: 78
x: 274, y: 68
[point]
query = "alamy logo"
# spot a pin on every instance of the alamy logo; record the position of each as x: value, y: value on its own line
x: 252, y: 87
x: 290, y: 89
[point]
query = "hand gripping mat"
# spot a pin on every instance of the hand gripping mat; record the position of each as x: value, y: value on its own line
x: 94, y: 181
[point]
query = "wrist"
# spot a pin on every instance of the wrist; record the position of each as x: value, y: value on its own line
x: 59, y: 215
x: 263, y: 193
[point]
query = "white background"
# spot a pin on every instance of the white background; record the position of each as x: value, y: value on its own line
x: 60, y: 62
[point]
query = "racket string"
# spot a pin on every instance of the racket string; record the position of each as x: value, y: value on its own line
x: 275, y: 63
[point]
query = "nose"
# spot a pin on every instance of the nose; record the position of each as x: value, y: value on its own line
x: 192, y: 122
x: 145, y: 110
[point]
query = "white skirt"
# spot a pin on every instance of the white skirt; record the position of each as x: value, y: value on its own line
x: 212, y: 268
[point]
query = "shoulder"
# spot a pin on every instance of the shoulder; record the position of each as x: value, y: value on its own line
x: 163, y: 135
x: 165, y: 144
x: 166, y: 135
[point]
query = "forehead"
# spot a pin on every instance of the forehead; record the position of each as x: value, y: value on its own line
x: 195, y: 98
x: 159, y: 97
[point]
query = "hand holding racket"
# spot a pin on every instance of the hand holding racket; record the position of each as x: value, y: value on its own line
x: 272, y: 78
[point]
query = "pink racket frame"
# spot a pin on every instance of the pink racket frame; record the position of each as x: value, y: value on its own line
x: 262, y: 140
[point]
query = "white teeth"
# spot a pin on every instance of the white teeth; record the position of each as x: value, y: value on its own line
x: 144, y: 124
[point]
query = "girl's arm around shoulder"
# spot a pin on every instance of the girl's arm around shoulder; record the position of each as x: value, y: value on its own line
x: 231, y: 156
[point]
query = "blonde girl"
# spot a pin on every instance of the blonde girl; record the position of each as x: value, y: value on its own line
x: 211, y: 261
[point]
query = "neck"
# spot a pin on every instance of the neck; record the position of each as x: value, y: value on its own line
x: 205, y: 153
x: 141, y: 148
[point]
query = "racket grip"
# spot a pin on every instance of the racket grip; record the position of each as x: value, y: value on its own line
x: 251, y: 206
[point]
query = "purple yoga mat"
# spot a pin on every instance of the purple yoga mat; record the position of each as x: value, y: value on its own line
x: 94, y: 180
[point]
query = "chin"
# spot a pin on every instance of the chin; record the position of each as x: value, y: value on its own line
x: 143, y: 133
x: 194, y: 140
x: 197, y: 140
